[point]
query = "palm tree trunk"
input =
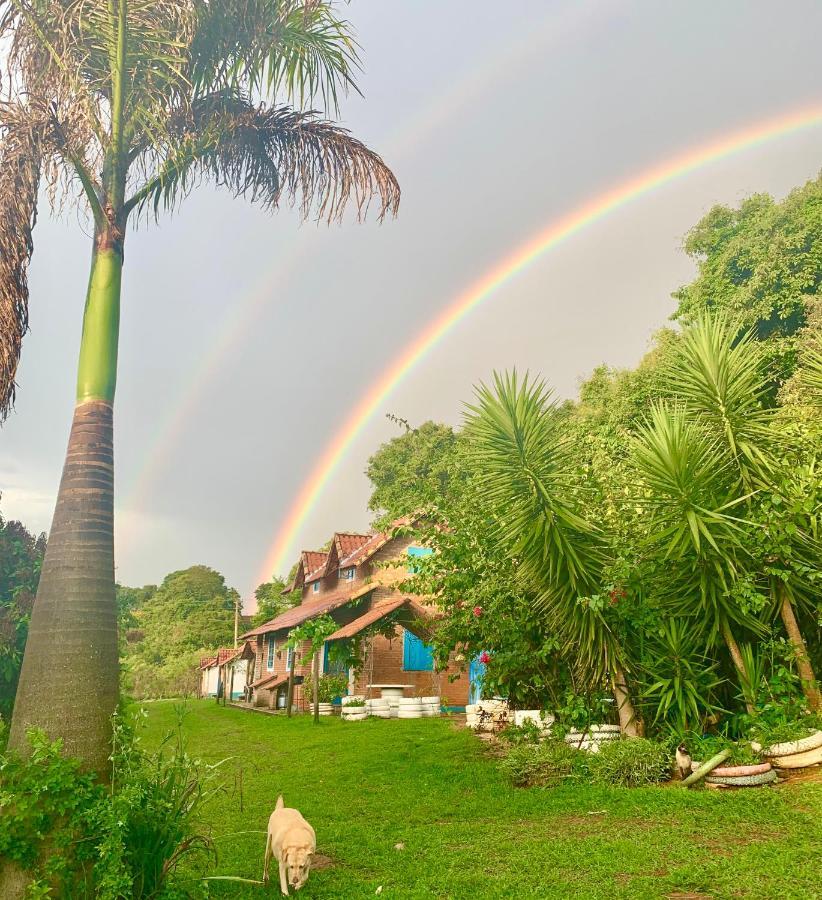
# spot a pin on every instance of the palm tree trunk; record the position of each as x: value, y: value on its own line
x: 69, y: 678
x: 810, y: 686
x: 627, y: 715
x: 736, y: 656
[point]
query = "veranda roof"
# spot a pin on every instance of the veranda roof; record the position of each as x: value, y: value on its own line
x: 310, y: 610
x: 270, y: 682
x: 379, y: 611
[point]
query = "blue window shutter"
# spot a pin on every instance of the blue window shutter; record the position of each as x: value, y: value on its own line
x: 416, y: 656
x: 417, y: 551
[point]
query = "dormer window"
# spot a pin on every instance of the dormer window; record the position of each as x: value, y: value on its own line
x: 315, y: 587
x: 347, y: 574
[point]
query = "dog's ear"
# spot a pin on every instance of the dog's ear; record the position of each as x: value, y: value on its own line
x: 280, y: 802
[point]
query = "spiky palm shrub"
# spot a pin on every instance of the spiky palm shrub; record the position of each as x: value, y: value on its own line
x: 124, y: 107
x: 693, y: 530
x: 719, y: 376
x: 528, y: 475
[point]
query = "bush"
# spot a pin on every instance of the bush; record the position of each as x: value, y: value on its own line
x: 630, y: 763
x: 330, y: 687
x: 126, y: 840
x: 544, y: 765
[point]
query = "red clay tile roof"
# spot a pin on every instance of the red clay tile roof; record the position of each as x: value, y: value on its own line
x: 348, y: 543
x: 224, y: 654
x: 275, y: 681
x: 312, y: 608
x: 207, y: 661
x: 375, y: 541
x: 378, y: 611
x: 313, y: 564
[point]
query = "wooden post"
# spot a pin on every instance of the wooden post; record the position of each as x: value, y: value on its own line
x: 231, y: 688
x: 236, y: 620
x: 316, y: 683
x: 289, y: 697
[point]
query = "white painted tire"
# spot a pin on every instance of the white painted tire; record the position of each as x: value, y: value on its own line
x: 606, y: 729
x: 326, y: 709
x: 788, y: 748
x: 798, y: 760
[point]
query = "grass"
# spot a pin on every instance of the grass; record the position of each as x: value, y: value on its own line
x: 465, y: 833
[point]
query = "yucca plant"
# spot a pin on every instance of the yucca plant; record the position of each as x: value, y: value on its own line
x: 123, y: 107
x: 694, y: 529
x: 719, y: 377
x: 682, y: 680
x: 528, y: 475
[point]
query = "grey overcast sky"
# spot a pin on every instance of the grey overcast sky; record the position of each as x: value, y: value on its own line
x: 246, y: 339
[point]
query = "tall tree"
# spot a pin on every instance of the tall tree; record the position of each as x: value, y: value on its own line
x: 412, y: 471
x: 271, y: 601
x: 21, y: 556
x: 125, y: 106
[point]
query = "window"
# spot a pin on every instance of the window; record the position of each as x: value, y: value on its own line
x: 315, y: 586
x: 332, y: 666
x: 347, y: 574
x: 272, y: 645
x: 417, y: 552
x: 416, y: 656
x: 288, y: 658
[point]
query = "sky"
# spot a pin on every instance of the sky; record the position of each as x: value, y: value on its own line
x: 246, y: 338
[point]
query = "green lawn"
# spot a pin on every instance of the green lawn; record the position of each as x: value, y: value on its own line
x: 369, y: 786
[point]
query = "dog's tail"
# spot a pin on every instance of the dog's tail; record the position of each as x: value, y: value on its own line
x: 280, y: 802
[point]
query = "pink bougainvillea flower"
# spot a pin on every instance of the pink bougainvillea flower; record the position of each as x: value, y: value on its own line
x: 477, y: 611
x: 485, y: 657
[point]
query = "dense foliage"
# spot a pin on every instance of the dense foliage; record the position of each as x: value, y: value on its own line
x: 79, y: 838
x: 21, y: 555
x: 190, y: 615
x: 659, y: 539
x: 271, y: 601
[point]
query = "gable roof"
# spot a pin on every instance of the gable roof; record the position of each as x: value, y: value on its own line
x: 312, y: 608
x: 313, y: 564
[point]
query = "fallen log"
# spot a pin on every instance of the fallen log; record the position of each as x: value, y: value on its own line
x: 706, y: 768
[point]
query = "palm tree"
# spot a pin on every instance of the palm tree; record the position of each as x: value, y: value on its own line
x: 718, y: 375
x: 528, y: 475
x: 124, y: 107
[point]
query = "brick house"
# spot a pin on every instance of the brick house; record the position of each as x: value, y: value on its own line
x: 356, y: 583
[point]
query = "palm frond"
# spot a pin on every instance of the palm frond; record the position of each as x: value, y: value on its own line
x: 718, y: 375
x: 20, y: 141
x: 811, y: 374
x: 298, y: 49
x: 266, y: 154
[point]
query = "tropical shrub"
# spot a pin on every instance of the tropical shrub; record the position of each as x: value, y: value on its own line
x: 79, y: 837
x: 329, y: 688
x: 630, y: 763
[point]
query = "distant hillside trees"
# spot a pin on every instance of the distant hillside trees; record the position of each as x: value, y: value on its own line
x: 170, y: 628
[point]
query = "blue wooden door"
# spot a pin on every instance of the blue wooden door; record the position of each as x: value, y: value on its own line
x: 476, y: 673
x: 416, y: 655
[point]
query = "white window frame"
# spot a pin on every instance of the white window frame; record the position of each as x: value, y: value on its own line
x: 348, y: 573
x: 288, y: 657
x: 272, y: 649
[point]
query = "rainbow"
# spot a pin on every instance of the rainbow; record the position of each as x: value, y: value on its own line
x: 488, y: 284
x: 169, y: 427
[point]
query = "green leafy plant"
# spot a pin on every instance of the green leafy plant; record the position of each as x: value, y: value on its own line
x: 703, y: 747
x: 123, y: 840
x: 355, y: 702
x: 329, y: 688
x: 682, y: 680
x: 630, y: 763
x: 545, y: 764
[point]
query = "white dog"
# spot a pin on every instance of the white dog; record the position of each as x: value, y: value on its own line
x: 292, y: 840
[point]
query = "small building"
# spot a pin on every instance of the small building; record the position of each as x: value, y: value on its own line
x: 384, y: 629
x: 229, y: 666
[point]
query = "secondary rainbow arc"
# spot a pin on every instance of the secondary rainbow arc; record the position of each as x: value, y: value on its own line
x: 546, y: 239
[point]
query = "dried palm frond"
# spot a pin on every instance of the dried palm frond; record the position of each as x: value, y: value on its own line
x: 20, y: 143
x: 264, y: 154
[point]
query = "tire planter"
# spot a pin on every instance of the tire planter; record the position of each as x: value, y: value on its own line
x: 735, y: 771
x: 543, y: 722
x: 355, y: 717
x: 409, y: 708
x: 788, y: 748
x: 326, y: 709
x: 430, y: 706
x: 743, y: 780
x: 798, y: 760
x: 351, y: 698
